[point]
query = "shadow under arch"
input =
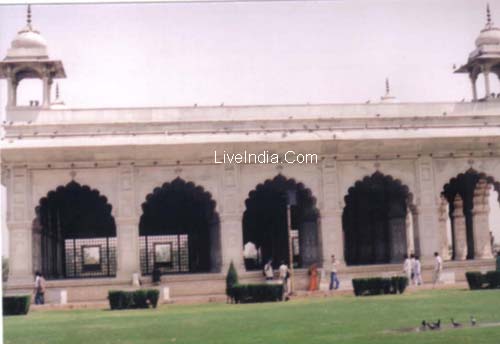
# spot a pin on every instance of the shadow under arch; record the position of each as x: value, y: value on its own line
x: 265, y: 225
x: 179, y: 230
x: 375, y: 220
x: 74, y: 234
x: 465, y: 185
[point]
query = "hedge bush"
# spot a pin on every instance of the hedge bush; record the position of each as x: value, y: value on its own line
x: 16, y: 305
x: 379, y: 285
x: 493, y: 279
x: 478, y: 280
x: 475, y: 279
x: 399, y: 283
x: 153, y: 296
x: 119, y: 299
x: 249, y: 293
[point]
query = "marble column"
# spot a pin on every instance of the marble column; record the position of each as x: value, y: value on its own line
x: 331, y: 207
x: 474, y: 88
x: 127, y: 248
x: 47, y: 84
x: 231, y: 216
x: 443, y: 217
x: 127, y: 226
x: 427, y: 238
x: 480, y: 218
x: 486, y: 74
x: 232, y: 242
x: 459, y: 227
x: 20, y: 227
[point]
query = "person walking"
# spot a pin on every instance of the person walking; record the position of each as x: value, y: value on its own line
x: 417, y: 271
x: 39, y: 289
x: 407, y: 268
x: 283, y: 276
x: 334, y: 280
x: 438, y: 268
x: 268, y: 270
x: 412, y: 265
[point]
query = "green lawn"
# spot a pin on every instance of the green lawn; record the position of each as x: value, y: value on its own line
x: 342, y: 319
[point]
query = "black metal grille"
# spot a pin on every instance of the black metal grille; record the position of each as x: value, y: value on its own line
x: 169, y: 253
x: 90, y: 257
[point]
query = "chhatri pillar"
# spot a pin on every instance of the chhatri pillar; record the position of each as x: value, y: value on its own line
x: 459, y: 226
x: 480, y: 218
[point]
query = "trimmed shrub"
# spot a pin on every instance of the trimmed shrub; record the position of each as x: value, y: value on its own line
x: 493, y: 279
x: 231, y: 280
x: 140, y: 299
x: 379, y: 285
x: 16, y: 305
x: 249, y: 293
x: 475, y: 279
x: 119, y: 299
x: 399, y: 284
x: 153, y: 295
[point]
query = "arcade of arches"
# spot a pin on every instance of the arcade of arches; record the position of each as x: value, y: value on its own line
x: 75, y: 236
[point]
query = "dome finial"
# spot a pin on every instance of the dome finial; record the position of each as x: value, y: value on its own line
x: 488, y: 16
x: 387, y: 87
x: 28, y: 16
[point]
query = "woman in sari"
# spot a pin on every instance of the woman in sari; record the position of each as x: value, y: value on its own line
x: 313, y: 278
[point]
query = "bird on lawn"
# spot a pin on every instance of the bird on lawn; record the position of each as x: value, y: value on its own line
x: 423, y: 325
x: 455, y: 324
x: 434, y: 326
x: 473, y: 320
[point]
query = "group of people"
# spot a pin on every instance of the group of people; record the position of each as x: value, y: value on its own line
x: 284, y: 275
x: 412, y: 268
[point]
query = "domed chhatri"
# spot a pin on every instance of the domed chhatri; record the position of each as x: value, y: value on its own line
x: 485, y: 59
x: 27, y: 58
x: 490, y: 35
x: 28, y: 43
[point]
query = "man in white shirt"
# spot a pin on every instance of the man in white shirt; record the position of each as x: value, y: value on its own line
x: 417, y: 271
x: 407, y: 267
x: 438, y: 268
x: 334, y: 280
x: 283, y: 275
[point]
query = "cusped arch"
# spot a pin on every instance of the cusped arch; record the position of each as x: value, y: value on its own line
x: 72, y: 197
x: 74, y: 233
x: 265, y: 224
x: 375, y: 220
x: 181, y: 219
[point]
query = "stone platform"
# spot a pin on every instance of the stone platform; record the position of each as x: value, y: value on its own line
x: 210, y: 287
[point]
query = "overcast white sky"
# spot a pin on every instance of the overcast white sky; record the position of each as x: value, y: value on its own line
x: 256, y: 53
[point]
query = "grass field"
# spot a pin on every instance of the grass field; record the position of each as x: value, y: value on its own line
x: 341, y: 319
